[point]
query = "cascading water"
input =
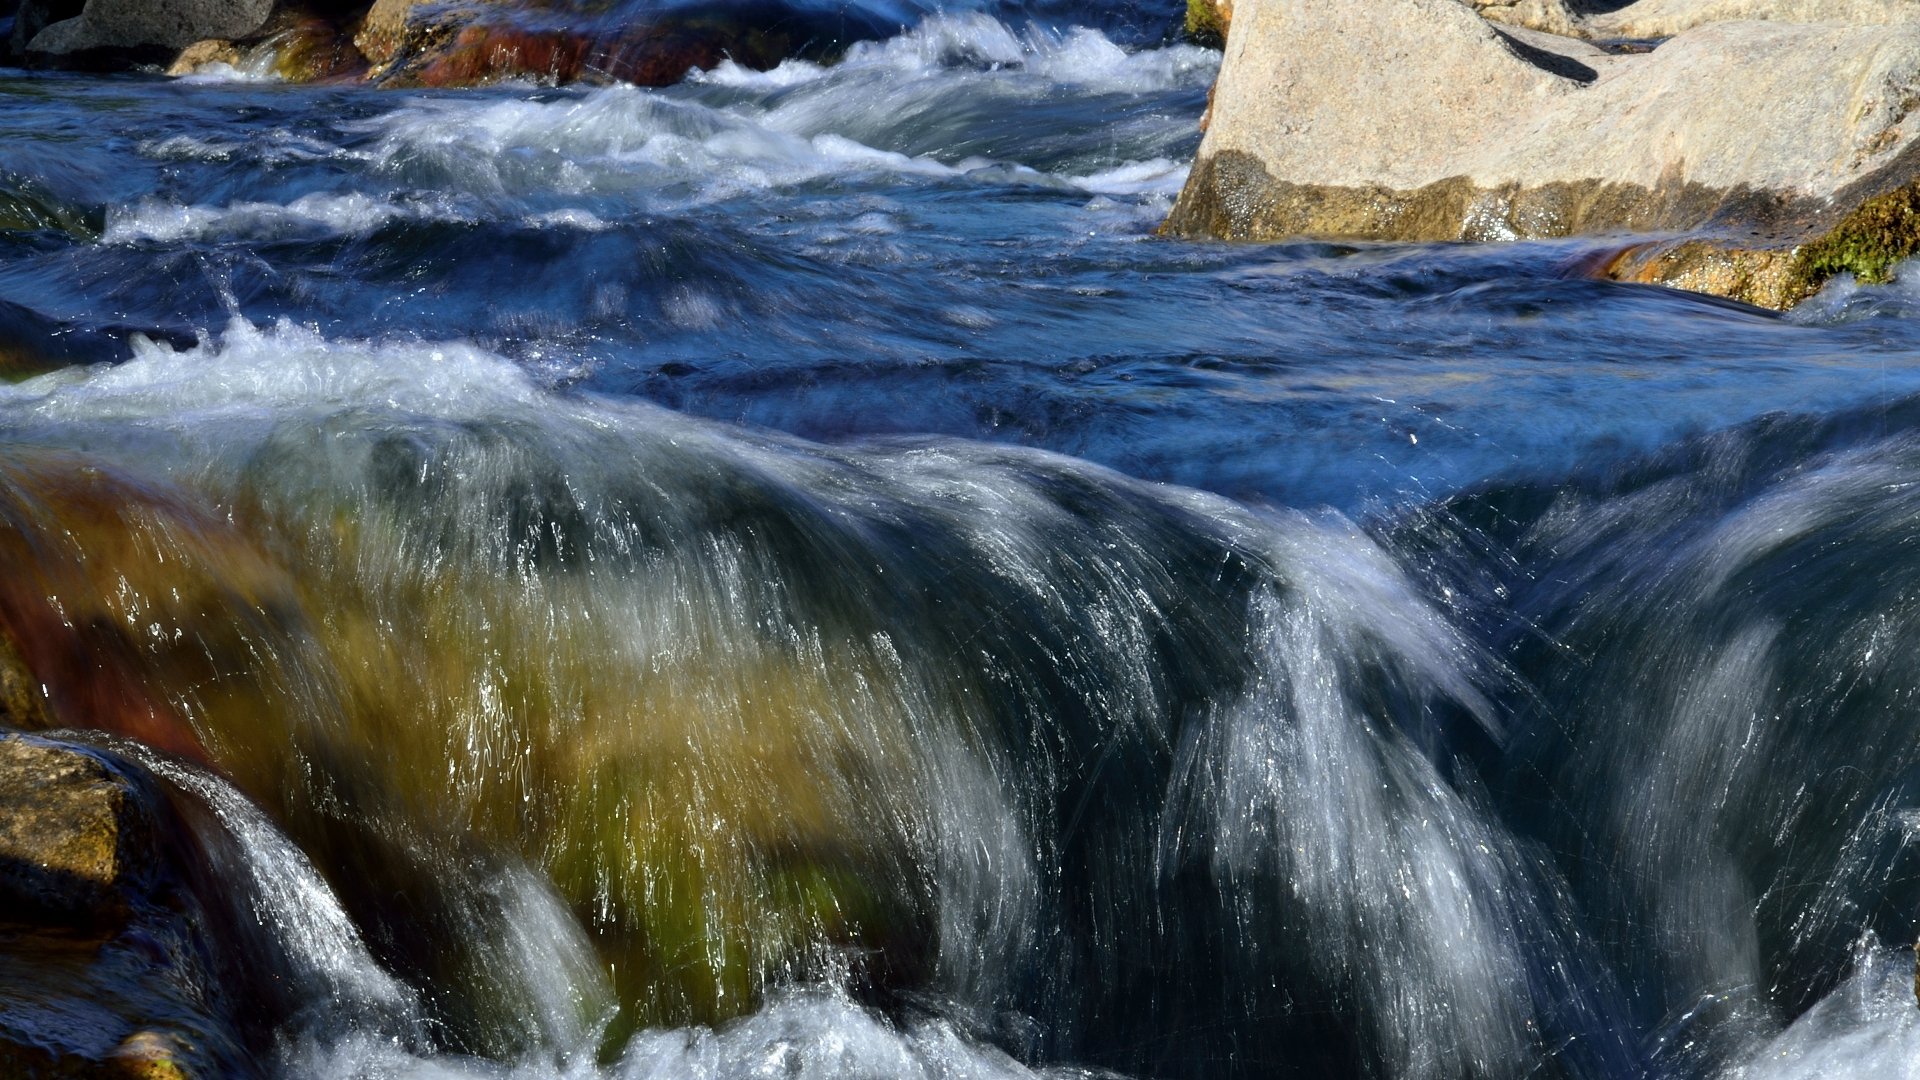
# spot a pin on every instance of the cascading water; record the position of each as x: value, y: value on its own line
x: 784, y: 574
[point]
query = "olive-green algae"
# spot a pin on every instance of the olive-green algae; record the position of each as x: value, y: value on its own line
x: 1867, y: 243
x: 1204, y: 25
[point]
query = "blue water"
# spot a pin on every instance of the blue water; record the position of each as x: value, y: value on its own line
x: 1604, y: 540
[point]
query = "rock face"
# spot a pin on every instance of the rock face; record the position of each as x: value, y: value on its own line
x: 1421, y: 122
x: 51, y: 29
x: 1648, y: 19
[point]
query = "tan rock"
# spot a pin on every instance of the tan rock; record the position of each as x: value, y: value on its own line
x: 200, y: 54
x: 65, y: 821
x: 1417, y: 120
x: 1666, y: 18
x: 1655, y: 19
x: 1548, y: 16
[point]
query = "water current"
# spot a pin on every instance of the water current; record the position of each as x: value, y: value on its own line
x: 786, y: 575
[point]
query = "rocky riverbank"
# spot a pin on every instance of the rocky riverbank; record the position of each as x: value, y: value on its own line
x: 414, y: 43
x: 1751, y: 159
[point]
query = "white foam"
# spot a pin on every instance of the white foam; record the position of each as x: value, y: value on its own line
x: 1844, y: 299
x: 583, y: 220
x: 1079, y: 57
x: 799, y: 1034
x: 1161, y: 176
x: 252, y: 69
x: 352, y: 213
x: 814, y: 123
x: 251, y: 371
x: 1866, y: 1029
x: 620, y: 139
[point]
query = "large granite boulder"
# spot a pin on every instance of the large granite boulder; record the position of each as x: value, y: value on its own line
x: 56, y: 31
x: 1779, y: 152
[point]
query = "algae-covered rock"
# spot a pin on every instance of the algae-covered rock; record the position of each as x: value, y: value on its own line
x: 1425, y: 122
x: 133, y: 608
x: 1208, y: 20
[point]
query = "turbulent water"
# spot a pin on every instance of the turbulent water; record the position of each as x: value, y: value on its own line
x: 785, y: 575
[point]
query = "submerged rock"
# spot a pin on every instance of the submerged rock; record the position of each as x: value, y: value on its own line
x: 1767, y: 144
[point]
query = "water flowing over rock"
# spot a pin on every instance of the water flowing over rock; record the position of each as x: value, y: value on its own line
x: 1420, y: 121
x: 107, y: 966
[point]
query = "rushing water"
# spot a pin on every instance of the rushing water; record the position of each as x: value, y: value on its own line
x: 786, y: 575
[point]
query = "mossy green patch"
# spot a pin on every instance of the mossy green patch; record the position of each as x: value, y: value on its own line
x: 1203, y: 24
x: 1867, y: 243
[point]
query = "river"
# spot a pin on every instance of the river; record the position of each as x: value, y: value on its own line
x: 787, y: 575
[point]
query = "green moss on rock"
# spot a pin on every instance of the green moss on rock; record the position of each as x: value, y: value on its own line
x: 1867, y: 243
x: 1204, y: 24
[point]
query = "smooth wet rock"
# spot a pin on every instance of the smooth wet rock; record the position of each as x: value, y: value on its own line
x: 1424, y: 122
x: 49, y: 31
x: 113, y: 964
x: 68, y: 827
x: 150, y: 1055
x: 203, y: 54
